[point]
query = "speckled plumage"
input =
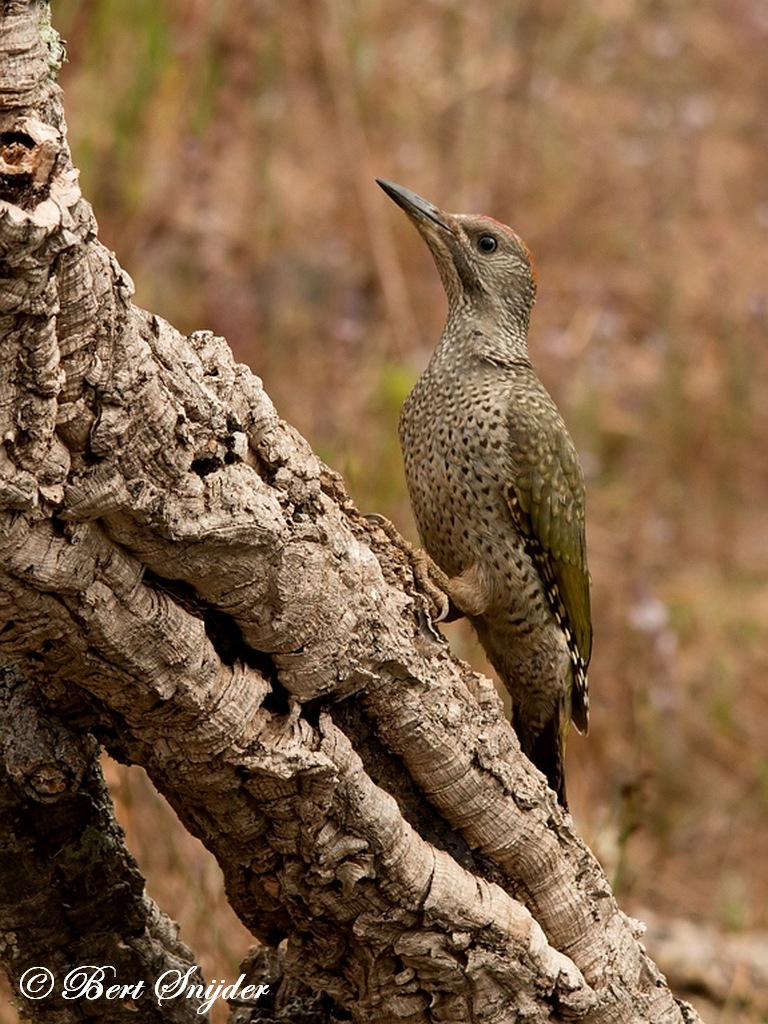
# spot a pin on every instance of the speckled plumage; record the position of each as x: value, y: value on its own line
x: 495, y: 483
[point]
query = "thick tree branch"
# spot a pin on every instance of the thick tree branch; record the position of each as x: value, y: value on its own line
x: 182, y: 575
x: 71, y: 892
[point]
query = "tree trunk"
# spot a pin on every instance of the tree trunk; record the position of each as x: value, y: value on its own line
x: 185, y: 580
x: 72, y: 895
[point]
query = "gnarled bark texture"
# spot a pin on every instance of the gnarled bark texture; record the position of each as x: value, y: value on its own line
x: 185, y: 579
x: 70, y: 892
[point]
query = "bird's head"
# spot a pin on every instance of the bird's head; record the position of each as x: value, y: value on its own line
x: 484, y: 266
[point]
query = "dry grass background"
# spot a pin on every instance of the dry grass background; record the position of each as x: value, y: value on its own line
x: 229, y: 150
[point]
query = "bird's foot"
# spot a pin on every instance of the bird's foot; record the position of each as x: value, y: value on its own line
x: 431, y: 582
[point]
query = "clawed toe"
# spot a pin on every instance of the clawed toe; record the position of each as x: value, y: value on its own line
x: 431, y: 581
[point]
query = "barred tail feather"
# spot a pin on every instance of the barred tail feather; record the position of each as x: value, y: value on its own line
x: 580, y: 698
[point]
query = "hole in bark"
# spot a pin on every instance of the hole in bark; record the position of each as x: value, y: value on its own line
x: 11, y: 140
x: 225, y: 635
x: 205, y: 466
x: 277, y: 701
x: 19, y: 190
x: 59, y: 527
x: 311, y: 710
x: 17, y: 179
x: 221, y: 630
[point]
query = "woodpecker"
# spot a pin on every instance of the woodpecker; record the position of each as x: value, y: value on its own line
x: 495, y: 483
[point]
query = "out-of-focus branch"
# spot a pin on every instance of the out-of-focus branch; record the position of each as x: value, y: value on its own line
x: 731, y: 971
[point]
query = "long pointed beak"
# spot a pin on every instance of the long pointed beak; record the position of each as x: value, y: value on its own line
x: 414, y: 206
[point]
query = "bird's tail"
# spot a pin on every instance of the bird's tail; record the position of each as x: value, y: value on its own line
x: 547, y: 750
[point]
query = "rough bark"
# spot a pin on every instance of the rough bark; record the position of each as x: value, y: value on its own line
x: 183, y: 577
x: 70, y: 892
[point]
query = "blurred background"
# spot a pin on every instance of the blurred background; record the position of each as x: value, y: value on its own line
x: 229, y: 151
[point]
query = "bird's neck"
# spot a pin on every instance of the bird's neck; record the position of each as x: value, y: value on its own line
x: 498, y: 339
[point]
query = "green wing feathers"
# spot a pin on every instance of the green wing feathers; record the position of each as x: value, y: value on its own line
x: 548, y: 488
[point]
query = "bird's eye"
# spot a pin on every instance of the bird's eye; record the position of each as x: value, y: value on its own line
x: 487, y: 243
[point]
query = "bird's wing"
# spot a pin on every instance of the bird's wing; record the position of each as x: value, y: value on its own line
x: 546, y: 496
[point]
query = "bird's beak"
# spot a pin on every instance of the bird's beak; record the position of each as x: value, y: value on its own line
x: 418, y: 209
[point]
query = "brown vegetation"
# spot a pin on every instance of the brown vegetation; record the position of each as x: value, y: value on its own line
x: 229, y: 151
